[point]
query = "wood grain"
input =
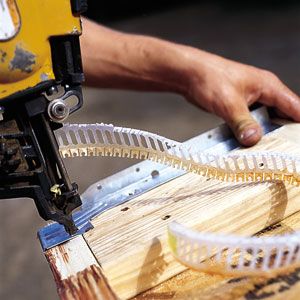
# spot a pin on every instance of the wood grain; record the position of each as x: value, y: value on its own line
x: 129, y: 241
x: 76, y: 272
x: 197, y: 285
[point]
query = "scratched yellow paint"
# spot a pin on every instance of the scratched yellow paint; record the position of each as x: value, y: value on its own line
x: 39, y: 21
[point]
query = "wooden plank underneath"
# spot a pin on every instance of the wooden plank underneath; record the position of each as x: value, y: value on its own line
x: 198, y: 285
x: 130, y: 241
x: 82, y: 278
x: 77, y: 273
x: 76, y: 264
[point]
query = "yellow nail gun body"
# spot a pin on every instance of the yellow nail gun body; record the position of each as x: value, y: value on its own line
x: 40, y: 71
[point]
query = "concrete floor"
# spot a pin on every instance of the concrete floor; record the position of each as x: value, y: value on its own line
x: 268, y: 39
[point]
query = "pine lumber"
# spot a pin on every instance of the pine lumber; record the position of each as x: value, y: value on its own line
x: 197, y: 285
x: 130, y: 241
x: 77, y: 273
x: 186, y: 285
x: 128, y: 248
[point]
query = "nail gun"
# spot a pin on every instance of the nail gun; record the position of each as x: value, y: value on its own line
x: 40, y: 85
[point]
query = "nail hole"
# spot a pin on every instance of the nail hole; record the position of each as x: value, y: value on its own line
x: 130, y: 194
x: 124, y: 208
x: 99, y: 187
x: 137, y: 169
x: 166, y: 217
x: 261, y: 164
x: 208, y: 179
x: 154, y: 173
x: 209, y: 136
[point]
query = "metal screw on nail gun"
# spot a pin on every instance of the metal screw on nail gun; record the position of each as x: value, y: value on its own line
x: 58, y: 110
x: 52, y: 90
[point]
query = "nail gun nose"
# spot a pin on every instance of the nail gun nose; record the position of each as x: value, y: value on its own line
x: 71, y: 228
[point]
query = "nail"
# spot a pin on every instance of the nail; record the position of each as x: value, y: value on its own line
x: 246, y: 134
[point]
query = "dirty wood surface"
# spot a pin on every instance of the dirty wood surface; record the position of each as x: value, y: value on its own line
x: 76, y: 272
x: 129, y: 241
x: 197, y: 285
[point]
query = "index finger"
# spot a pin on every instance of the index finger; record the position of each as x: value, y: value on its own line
x: 278, y: 95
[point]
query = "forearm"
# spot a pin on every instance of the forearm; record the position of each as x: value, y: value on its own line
x: 118, y: 60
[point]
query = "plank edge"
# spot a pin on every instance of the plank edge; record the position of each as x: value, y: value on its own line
x: 77, y: 273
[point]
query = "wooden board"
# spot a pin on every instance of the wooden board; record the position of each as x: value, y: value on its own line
x: 76, y: 272
x: 129, y: 241
x: 197, y: 285
x: 186, y: 285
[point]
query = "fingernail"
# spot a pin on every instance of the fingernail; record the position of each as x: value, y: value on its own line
x: 246, y: 134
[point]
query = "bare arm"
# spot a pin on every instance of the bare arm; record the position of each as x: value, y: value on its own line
x: 118, y: 60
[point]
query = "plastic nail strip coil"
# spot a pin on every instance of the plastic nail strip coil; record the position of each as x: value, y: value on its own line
x: 227, y: 254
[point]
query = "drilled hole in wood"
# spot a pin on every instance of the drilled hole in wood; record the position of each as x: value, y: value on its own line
x: 209, y: 136
x: 166, y: 217
x: 124, y: 208
x: 137, y: 169
x: 261, y: 164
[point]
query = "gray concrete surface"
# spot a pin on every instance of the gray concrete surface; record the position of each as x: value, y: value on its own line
x: 268, y: 39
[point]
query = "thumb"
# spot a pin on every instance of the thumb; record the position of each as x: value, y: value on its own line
x: 247, y: 131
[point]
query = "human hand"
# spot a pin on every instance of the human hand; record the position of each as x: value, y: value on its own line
x: 226, y: 88
x: 113, y: 59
